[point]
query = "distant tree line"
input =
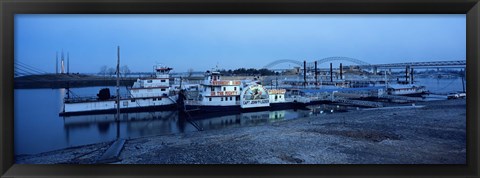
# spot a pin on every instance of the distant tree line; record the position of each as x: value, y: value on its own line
x: 105, y: 70
x: 251, y: 72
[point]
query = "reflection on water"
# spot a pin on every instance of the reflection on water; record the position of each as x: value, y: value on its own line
x: 38, y: 128
x: 134, y: 125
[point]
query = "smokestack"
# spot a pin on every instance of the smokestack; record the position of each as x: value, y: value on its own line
x: 411, y: 76
x: 316, y: 77
x: 331, y: 73
x: 341, y: 71
x: 304, y: 73
x: 406, y: 74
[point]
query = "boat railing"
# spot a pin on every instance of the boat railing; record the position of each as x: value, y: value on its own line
x: 224, y: 82
x: 91, y: 98
x: 81, y: 99
x: 147, y: 95
x: 196, y: 102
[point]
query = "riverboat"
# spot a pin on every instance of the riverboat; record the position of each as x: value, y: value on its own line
x: 147, y: 94
x: 217, y: 95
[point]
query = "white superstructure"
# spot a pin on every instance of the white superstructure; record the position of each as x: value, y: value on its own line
x: 217, y: 92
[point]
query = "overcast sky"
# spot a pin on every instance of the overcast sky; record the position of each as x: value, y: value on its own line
x: 201, y: 42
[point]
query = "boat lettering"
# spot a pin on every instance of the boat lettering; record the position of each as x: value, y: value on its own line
x: 247, y: 102
x: 223, y: 93
x: 225, y: 82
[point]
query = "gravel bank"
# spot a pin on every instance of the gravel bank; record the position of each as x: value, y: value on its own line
x: 434, y: 134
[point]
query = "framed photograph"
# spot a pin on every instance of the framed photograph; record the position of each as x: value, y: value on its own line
x: 223, y: 88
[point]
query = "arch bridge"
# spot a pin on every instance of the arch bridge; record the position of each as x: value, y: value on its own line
x: 311, y: 64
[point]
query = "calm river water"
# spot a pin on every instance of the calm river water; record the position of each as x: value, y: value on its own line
x: 38, y: 128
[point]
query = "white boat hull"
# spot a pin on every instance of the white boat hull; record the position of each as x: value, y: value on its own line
x: 125, y: 104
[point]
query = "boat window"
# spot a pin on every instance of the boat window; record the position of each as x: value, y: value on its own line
x: 235, y: 88
x: 230, y: 98
x: 221, y: 99
x: 163, y: 89
x: 212, y: 89
x: 162, y: 80
x: 149, y: 81
x: 224, y: 88
x: 209, y: 99
x: 154, y: 99
x: 133, y: 100
x: 159, y: 99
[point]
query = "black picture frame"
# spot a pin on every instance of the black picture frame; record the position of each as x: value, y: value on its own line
x: 9, y: 8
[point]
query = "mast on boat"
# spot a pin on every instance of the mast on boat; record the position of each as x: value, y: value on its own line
x: 118, y: 83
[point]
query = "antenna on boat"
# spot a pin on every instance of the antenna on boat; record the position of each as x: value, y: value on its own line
x: 117, y: 117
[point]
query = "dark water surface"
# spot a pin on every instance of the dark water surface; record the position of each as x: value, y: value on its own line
x: 38, y: 128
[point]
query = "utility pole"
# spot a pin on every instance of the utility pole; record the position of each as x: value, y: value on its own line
x: 316, y: 75
x: 463, y: 79
x: 118, y: 83
x: 304, y: 74
x: 118, y: 93
x: 56, y: 64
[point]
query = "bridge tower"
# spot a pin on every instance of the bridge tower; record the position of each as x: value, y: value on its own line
x: 62, y: 64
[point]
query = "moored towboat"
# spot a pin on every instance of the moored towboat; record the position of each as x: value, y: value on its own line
x: 150, y: 94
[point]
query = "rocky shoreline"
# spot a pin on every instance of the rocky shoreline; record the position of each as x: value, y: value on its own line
x: 434, y: 134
